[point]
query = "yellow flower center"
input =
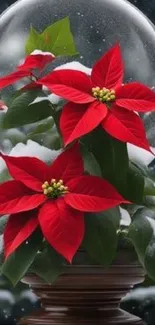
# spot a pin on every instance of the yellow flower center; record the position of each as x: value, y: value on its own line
x: 104, y: 95
x: 54, y: 189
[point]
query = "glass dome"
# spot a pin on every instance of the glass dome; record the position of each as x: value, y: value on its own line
x: 96, y: 26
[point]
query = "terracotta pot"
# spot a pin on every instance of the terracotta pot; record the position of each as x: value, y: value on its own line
x: 86, y: 294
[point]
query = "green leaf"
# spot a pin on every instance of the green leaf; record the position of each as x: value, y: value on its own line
x: 34, y: 41
x: 50, y: 139
x: 17, y: 264
x: 91, y: 165
x: 149, y: 188
x: 3, y: 222
x: 142, y: 235
x: 111, y: 155
x: 60, y: 38
x: 149, y: 202
x: 22, y: 112
x: 101, y: 235
x: 148, y: 282
x: 4, y: 176
x: 43, y: 127
x: 48, y: 264
x: 133, y: 189
x: 56, y: 38
x: 150, y: 255
x: 1, y: 250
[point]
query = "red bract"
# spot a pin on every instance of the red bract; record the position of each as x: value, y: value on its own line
x: 53, y: 197
x: 102, y: 98
x: 37, y: 60
x: 31, y: 62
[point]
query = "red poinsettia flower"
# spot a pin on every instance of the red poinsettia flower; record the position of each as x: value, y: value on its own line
x: 102, y: 98
x: 36, y: 60
x: 53, y: 197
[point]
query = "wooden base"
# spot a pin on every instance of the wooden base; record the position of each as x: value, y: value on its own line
x: 85, y: 295
x: 119, y: 318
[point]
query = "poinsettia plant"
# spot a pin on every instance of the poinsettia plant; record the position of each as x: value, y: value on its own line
x: 68, y: 179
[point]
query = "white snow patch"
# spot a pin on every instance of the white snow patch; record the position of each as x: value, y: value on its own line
x: 139, y: 155
x: 152, y: 223
x: 1, y: 244
x: 125, y: 217
x: 31, y: 149
x: 6, y: 295
x: 52, y: 98
x: 27, y: 294
x: 38, y: 100
x: 75, y: 65
x: 39, y: 52
x: 141, y: 293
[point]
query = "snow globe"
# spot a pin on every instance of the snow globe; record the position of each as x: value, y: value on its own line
x: 69, y: 230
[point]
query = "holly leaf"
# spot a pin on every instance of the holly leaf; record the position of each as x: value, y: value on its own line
x: 18, y: 263
x: 101, y: 237
x: 56, y: 38
x: 48, y: 264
